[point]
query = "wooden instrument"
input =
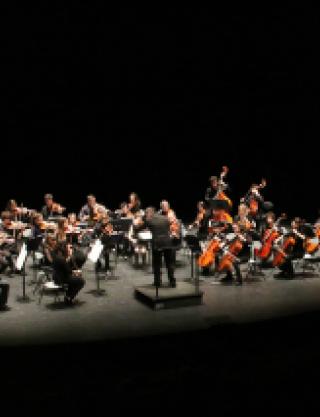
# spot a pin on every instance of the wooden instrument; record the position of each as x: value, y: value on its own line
x: 220, y: 195
x: 207, y: 258
x: 254, y: 204
x: 282, y: 252
x: 230, y: 254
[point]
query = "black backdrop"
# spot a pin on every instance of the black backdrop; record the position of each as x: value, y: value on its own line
x: 155, y: 102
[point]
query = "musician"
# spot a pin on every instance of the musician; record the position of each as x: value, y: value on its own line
x: 92, y: 210
x: 9, y: 246
x: 159, y: 226
x: 61, y: 235
x: 51, y: 209
x: 104, y: 234
x: 49, y: 246
x: 134, y: 204
x: 214, y: 188
x: 66, y: 271
x: 295, y: 251
x: 124, y: 211
x: 231, y: 265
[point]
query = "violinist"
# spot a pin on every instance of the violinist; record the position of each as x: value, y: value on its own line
x: 51, y: 209
x: 104, y: 235
x: 124, y: 211
x: 8, y: 244
x: 134, y: 204
x: 61, y: 232
x: 201, y: 220
x: 67, y: 271
x: 92, y: 211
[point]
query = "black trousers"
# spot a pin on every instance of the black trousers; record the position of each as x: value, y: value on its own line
x: 169, y: 256
x: 75, y: 284
x: 4, y: 293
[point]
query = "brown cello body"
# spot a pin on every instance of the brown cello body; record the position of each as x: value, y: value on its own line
x: 228, y: 258
x: 265, y: 251
x: 282, y: 253
x: 207, y: 258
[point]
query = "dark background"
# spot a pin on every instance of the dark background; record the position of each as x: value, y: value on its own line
x: 106, y: 101
x: 156, y: 102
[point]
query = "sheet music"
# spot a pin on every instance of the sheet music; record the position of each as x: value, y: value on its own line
x: 96, y: 251
x: 21, y: 257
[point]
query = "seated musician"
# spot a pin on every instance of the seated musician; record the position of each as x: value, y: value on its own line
x: 124, y: 211
x: 61, y: 235
x: 49, y: 246
x: 9, y: 245
x: 92, y: 211
x: 134, y: 204
x: 66, y: 271
x: 51, y: 209
x: 104, y: 234
x: 296, y: 251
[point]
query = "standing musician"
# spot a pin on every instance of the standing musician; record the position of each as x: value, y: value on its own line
x: 217, y: 189
x: 51, y: 209
x: 92, y: 211
x: 66, y: 270
x: 159, y: 226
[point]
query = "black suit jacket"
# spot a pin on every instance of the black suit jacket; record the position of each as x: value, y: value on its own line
x: 160, y: 228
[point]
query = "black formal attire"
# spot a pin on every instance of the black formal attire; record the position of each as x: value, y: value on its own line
x: 62, y: 274
x: 162, y: 246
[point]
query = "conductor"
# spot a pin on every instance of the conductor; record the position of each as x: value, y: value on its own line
x: 161, y: 244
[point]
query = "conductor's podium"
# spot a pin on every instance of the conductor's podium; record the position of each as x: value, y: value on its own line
x: 184, y: 295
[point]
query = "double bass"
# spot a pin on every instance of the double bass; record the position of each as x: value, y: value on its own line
x: 254, y: 203
x: 220, y: 195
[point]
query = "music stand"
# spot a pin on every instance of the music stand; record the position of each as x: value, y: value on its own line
x: 215, y: 204
x: 21, y: 266
x: 94, y: 256
x: 194, y: 245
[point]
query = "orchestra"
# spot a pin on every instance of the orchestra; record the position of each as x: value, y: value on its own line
x: 226, y: 231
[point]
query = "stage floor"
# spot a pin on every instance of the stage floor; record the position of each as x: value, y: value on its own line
x: 118, y: 314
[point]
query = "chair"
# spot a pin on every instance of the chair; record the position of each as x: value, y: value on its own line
x: 46, y: 286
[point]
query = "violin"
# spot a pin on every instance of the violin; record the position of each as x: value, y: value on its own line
x: 57, y: 208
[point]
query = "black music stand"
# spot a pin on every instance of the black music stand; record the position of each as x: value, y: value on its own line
x: 215, y: 204
x: 97, y: 291
x: 23, y: 298
x: 194, y: 246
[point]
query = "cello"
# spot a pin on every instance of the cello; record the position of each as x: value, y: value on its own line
x: 253, y: 202
x: 207, y: 258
